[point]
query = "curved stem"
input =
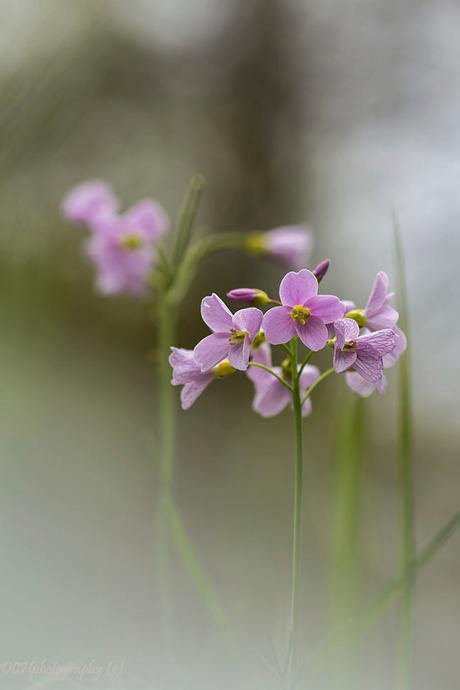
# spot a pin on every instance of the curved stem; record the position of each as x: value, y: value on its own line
x: 261, y: 366
x: 317, y: 382
x: 306, y: 360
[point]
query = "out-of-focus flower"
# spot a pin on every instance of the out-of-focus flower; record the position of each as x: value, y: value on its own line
x: 249, y: 296
x: 85, y: 202
x: 232, y: 337
x: 122, y: 247
x: 271, y: 395
x: 290, y: 245
x: 187, y: 373
x: 362, y: 352
x: 304, y: 312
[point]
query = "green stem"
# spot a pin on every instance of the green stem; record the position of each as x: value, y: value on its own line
x: 187, y: 216
x: 317, y: 382
x: 270, y: 371
x: 306, y: 360
x: 297, y: 533
x: 405, y: 478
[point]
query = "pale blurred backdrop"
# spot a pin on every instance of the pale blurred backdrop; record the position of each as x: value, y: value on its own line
x: 335, y: 113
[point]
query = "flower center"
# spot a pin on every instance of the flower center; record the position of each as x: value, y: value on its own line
x: 237, y: 337
x: 300, y: 314
x: 350, y: 345
x: 131, y: 242
x: 258, y: 340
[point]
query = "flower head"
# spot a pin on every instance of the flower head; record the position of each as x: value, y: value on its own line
x: 290, y: 245
x: 85, y: 202
x: 304, y: 312
x: 271, y: 396
x: 122, y: 247
x: 187, y: 372
x: 232, y: 336
x: 362, y: 352
x: 378, y: 313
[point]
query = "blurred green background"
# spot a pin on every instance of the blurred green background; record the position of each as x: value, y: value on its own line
x: 329, y: 112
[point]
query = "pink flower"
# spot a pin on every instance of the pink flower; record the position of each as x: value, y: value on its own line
x: 271, y: 396
x: 291, y: 245
x: 304, y: 312
x: 121, y: 247
x: 378, y: 313
x: 362, y: 352
x: 232, y: 336
x: 366, y: 388
x: 187, y: 373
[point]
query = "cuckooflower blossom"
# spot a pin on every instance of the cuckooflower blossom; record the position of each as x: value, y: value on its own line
x: 232, y: 336
x: 377, y: 314
x: 365, y: 388
x: 271, y: 395
x: 85, y: 202
x: 187, y: 373
x: 290, y: 245
x: 362, y: 352
x: 304, y: 312
x: 122, y: 247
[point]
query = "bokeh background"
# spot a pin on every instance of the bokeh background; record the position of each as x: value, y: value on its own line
x: 335, y: 113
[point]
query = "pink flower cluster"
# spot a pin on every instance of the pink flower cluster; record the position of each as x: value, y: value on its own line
x: 365, y: 341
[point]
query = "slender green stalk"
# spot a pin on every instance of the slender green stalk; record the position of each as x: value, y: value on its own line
x: 344, y: 558
x: 297, y: 534
x: 306, y: 360
x: 317, y: 382
x: 405, y: 478
x: 187, y: 217
x: 350, y: 633
x: 273, y: 373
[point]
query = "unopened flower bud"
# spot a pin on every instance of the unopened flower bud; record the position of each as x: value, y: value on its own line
x: 251, y: 296
x: 223, y: 369
x: 358, y: 315
x: 321, y: 269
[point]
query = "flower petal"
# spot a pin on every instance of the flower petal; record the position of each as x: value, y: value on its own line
x: 369, y: 367
x: 291, y: 245
x: 309, y: 375
x: 386, y: 317
x: 400, y: 346
x: 249, y: 319
x: 297, y: 288
x: 147, y: 215
x: 345, y: 329
x: 359, y: 385
x: 84, y: 202
x: 327, y: 307
x: 380, y: 342
x: 216, y: 314
x: 278, y: 325
x: 313, y: 333
x: 343, y: 359
x: 306, y: 407
x: 271, y: 398
x: 184, y: 365
x: 192, y: 390
x: 238, y: 355
x: 378, y: 293
x: 260, y: 355
x: 211, y: 350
